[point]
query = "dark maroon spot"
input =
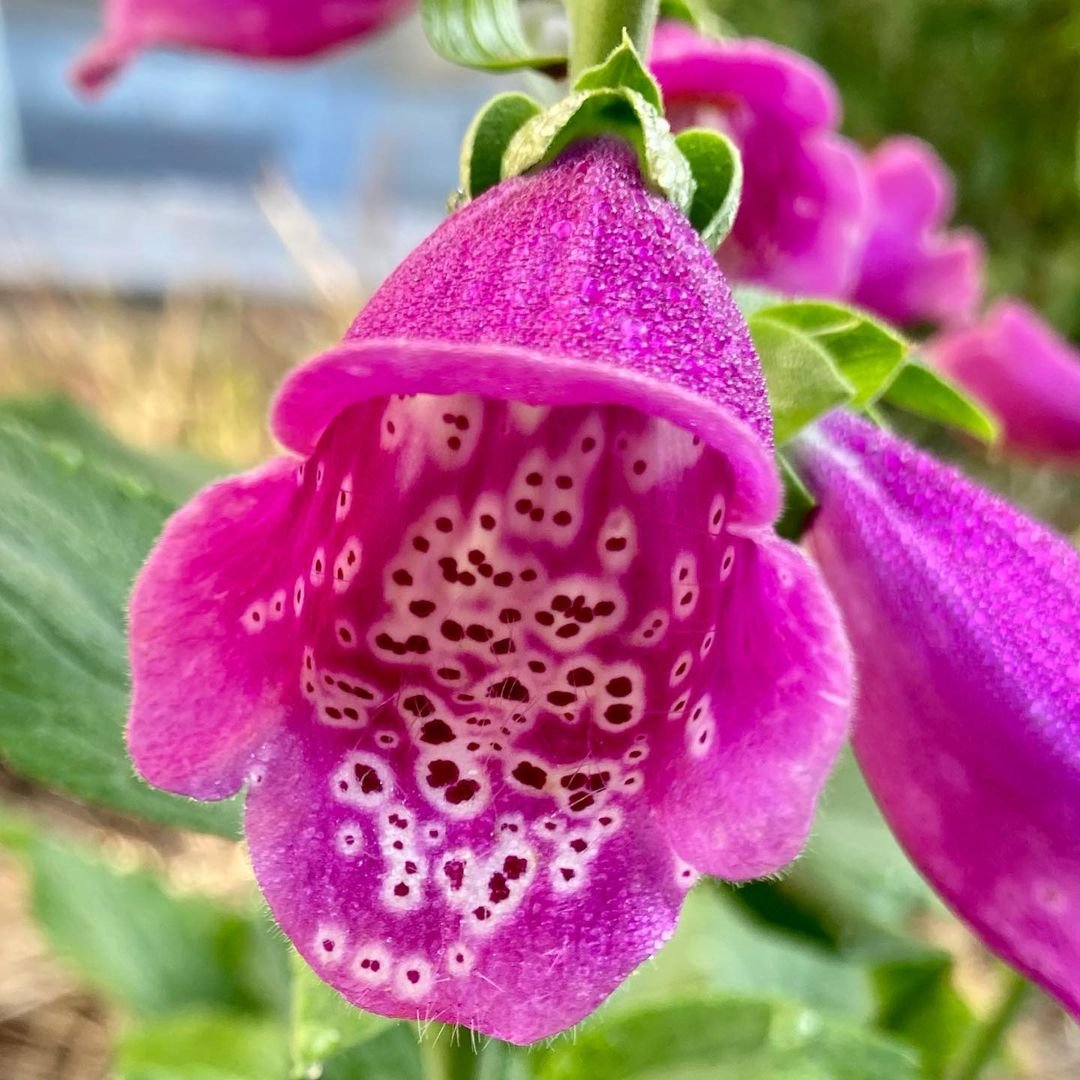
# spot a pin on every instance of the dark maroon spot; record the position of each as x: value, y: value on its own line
x: 588, y: 444
x: 334, y: 714
x: 537, y: 666
x: 620, y: 686
x: 514, y: 866
x: 351, y: 713
x: 344, y: 634
x: 639, y: 467
x: 452, y: 630
x: 255, y: 617
x: 411, y: 867
x: 534, y: 479
x: 482, y: 913
x: 681, y: 669
x: 420, y: 543
x: 578, y: 845
x: 567, y: 873
x: 328, y: 944
x: 683, y: 573
x: 417, y: 643
x: 504, y: 646
x: 509, y: 615
x: 561, y: 698
x: 390, y: 426
x: 442, y: 772
x: 476, y: 556
x: 402, y: 577
x: 367, y: 778
x: 318, y: 566
x: 616, y: 543
x: 528, y: 575
x: 401, y: 889
x: 481, y: 634
x: 525, y: 772
x: 561, y: 602
x: 485, y: 570
x: 498, y: 890
x: 467, y: 578
x: 455, y: 873
x: 412, y: 975
x: 462, y: 791
x: 398, y: 822
x: 537, y: 515
x: 686, y: 599
x: 568, y: 631
x: 375, y: 965
x: 574, y: 781
x: 473, y: 746
x: 503, y: 578
x: 343, y: 785
x: 564, y: 483
x: 618, y: 714
x: 462, y: 423
x: 454, y: 442
x: 443, y: 524
x: 422, y: 608
x: 581, y: 676
x: 604, y: 608
x: 545, y: 618
x: 448, y: 673
x: 436, y: 732
x: 623, y: 443
x: 563, y: 517
x: 523, y: 506
x: 418, y: 705
x: 448, y: 418
x: 487, y: 522
x: 580, y: 801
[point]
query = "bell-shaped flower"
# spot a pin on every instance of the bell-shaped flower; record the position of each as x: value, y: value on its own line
x: 264, y: 29
x: 964, y: 618
x: 505, y: 647
x: 802, y: 222
x: 914, y: 269
x: 1021, y: 370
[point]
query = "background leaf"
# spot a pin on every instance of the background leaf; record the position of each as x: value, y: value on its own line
x: 917, y: 389
x: 487, y: 139
x: 486, y: 34
x: 718, y: 173
x: 72, y: 537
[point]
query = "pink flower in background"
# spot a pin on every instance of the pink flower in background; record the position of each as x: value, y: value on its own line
x: 267, y: 29
x: 913, y: 269
x: 1024, y: 372
x: 801, y: 226
x: 504, y: 647
x: 963, y: 615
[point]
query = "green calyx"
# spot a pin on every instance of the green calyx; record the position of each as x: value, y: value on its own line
x: 699, y: 171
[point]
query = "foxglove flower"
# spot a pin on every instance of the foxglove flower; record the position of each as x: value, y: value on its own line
x: 801, y: 225
x: 267, y: 29
x: 505, y: 647
x: 964, y: 619
x: 1024, y: 372
x: 913, y: 269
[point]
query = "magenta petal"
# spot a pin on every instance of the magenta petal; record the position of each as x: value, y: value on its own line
x: 801, y: 224
x: 1024, y: 372
x: 913, y: 269
x: 772, y: 720
x: 204, y: 652
x: 256, y: 28
x: 964, y: 619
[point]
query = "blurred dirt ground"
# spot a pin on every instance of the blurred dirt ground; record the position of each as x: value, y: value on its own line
x: 197, y: 372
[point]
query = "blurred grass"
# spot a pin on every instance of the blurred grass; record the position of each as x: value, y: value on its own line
x: 994, y: 85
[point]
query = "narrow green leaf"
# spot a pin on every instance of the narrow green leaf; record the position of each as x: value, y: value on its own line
x: 486, y: 34
x: 393, y: 1054
x: 799, y: 504
x: 72, y: 538
x: 696, y: 13
x: 917, y: 389
x: 203, y: 1045
x: 802, y: 376
x: 488, y: 137
x: 323, y: 1022
x: 718, y: 173
x: 622, y: 68
x: 151, y: 951
x: 724, y: 1039
x: 867, y: 353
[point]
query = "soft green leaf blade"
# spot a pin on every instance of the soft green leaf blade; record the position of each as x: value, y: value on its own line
x: 750, y: 299
x: 716, y: 165
x: 802, y: 377
x: 919, y: 390
x: 696, y: 13
x: 724, y: 1038
x: 867, y: 353
x: 323, y: 1022
x: 72, y: 538
x: 393, y: 1054
x: 622, y: 68
x: 487, y: 34
x: 488, y: 137
x: 799, y: 504
x: 203, y: 1045
x: 153, y: 952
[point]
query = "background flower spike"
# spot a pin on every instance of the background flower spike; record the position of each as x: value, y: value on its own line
x: 964, y: 616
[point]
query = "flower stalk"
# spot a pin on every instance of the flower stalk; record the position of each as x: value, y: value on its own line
x: 984, y: 1039
x: 596, y: 27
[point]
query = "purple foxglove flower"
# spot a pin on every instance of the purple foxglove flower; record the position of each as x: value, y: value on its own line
x: 801, y: 224
x: 507, y: 652
x: 964, y: 619
x: 913, y: 270
x: 267, y: 29
x: 1024, y: 372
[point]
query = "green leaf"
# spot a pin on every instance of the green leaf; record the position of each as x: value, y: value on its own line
x: 203, y: 1046
x: 487, y: 139
x: 867, y: 353
x: 323, y: 1022
x: 394, y: 1054
x: 622, y: 68
x: 696, y: 13
x: 752, y: 298
x: 718, y: 175
x: 799, y: 504
x: 917, y: 389
x: 486, y: 34
x: 802, y: 376
x: 72, y: 538
x: 724, y: 1039
x: 153, y: 952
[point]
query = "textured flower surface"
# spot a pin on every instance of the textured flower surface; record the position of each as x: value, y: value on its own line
x: 913, y: 269
x: 508, y: 653
x: 267, y: 29
x: 1021, y: 369
x: 964, y: 616
x: 802, y: 221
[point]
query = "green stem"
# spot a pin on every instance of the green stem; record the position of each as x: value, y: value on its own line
x: 596, y: 27
x: 446, y: 1053
x: 984, y: 1039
